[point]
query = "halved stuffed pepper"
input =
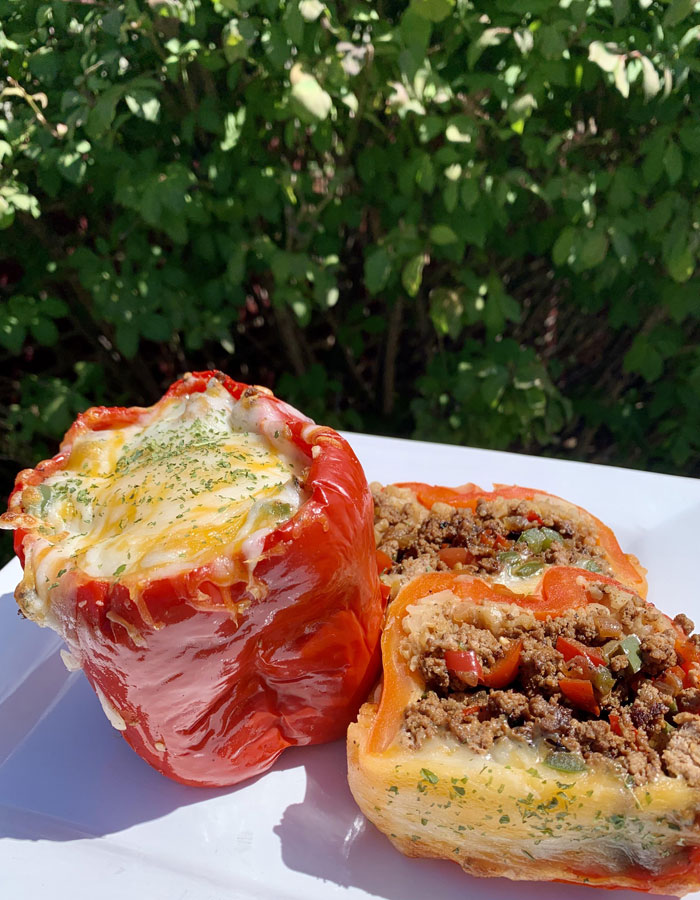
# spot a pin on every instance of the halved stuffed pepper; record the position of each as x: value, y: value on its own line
x: 510, y: 535
x: 547, y: 736
x: 209, y: 564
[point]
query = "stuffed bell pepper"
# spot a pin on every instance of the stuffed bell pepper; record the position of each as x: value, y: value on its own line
x: 510, y: 535
x: 209, y: 563
x: 552, y: 735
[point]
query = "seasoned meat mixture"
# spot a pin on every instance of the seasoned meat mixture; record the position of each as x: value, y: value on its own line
x: 605, y: 681
x: 513, y: 537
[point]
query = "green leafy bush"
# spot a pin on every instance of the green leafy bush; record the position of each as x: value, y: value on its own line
x: 466, y: 222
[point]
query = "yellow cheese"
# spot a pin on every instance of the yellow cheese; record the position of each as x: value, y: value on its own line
x: 507, y: 813
x: 194, y: 480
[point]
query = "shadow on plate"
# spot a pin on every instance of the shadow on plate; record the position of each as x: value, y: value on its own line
x: 66, y: 774
x: 327, y: 836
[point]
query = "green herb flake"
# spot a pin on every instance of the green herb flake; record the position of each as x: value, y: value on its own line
x: 563, y: 761
x: 429, y: 776
x: 119, y: 570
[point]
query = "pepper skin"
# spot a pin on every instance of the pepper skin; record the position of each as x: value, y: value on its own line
x: 625, y: 568
x: 508, y: 812
x: 212, y: 672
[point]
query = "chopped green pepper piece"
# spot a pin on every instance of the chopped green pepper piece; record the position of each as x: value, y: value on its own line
x: 528, y: 568
x: 610, y: 649
x: 539, y: 539
x: 509, y: 556
x: 602, y: 679
x: 630, y: 647
x: 590, y: 565
x: 565, y: 762
x: 552, y: 535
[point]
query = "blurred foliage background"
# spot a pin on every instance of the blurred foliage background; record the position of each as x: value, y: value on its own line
x: 474, y: 223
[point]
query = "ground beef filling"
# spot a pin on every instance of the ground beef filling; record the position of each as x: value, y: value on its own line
x: 513, y: 537
x: 649, y: 708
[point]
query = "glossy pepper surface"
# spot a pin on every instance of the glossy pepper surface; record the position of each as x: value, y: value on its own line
x: 212, y: 671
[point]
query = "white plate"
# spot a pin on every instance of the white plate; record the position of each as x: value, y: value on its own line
x: 82, y: 817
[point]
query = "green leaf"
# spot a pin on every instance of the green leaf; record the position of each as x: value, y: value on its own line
x: 689, y: 136
x: 644, y: 359
x: 469, y: 192
x: 72, y: 166
x: 111, y: 22
x: 621, y: 9
x: 233, y: 125
x: 680, y: 263
x: 377, y: 270
x: 433, y: 10
x: 650, y: 78
x: 143, y: 104
x: 442, y: 234
x: 311, y: 9
x: 673, y: 162
x: 447, y: 311
x: 592, y: 248
x: 44, y: 331
x: 599, y: 54
x: 461, y: 130
x: 102, y: 114
x: 550, y: 42
x: 237, y: 37
x: 623, y: 246
x: 677, y: 11
x: 620, y: 77
x: 490, y: 37
x: 312, y: 102
x: 563, y: 246
x: 412, y: 274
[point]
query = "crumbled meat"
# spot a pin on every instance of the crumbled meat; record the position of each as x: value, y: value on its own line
x: 540, y: 669
x: 658, y: 651
x: 682, y: 756
x: 512, y: 705
x: 689, y: 700
x: 686, y: 625
x: 414, y: 536
x: 640, y: 738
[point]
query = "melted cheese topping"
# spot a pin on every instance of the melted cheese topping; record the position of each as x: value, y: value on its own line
x: 192, y: 481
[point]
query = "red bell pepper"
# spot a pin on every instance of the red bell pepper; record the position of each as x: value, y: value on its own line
x: 453, y: 556
x: 579, y: 692
x: 464, y: 662
x: 505, y: 669
x: 384, y: 562
x: 569, y: 648
x: 212, y: 672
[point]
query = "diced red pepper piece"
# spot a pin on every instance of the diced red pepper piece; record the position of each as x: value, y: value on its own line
x: 505, y: 670
x: 384, y: 562
x: 453, y: 556
x: 470, y: 710
x: 685, y: 650
x: 464, y: 662
x: 615, y: 724
x: 569, y: 648
x: 579, y: 692
x: 533, y: 517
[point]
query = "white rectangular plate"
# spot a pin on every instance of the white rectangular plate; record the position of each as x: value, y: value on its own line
x: 82, y: 817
